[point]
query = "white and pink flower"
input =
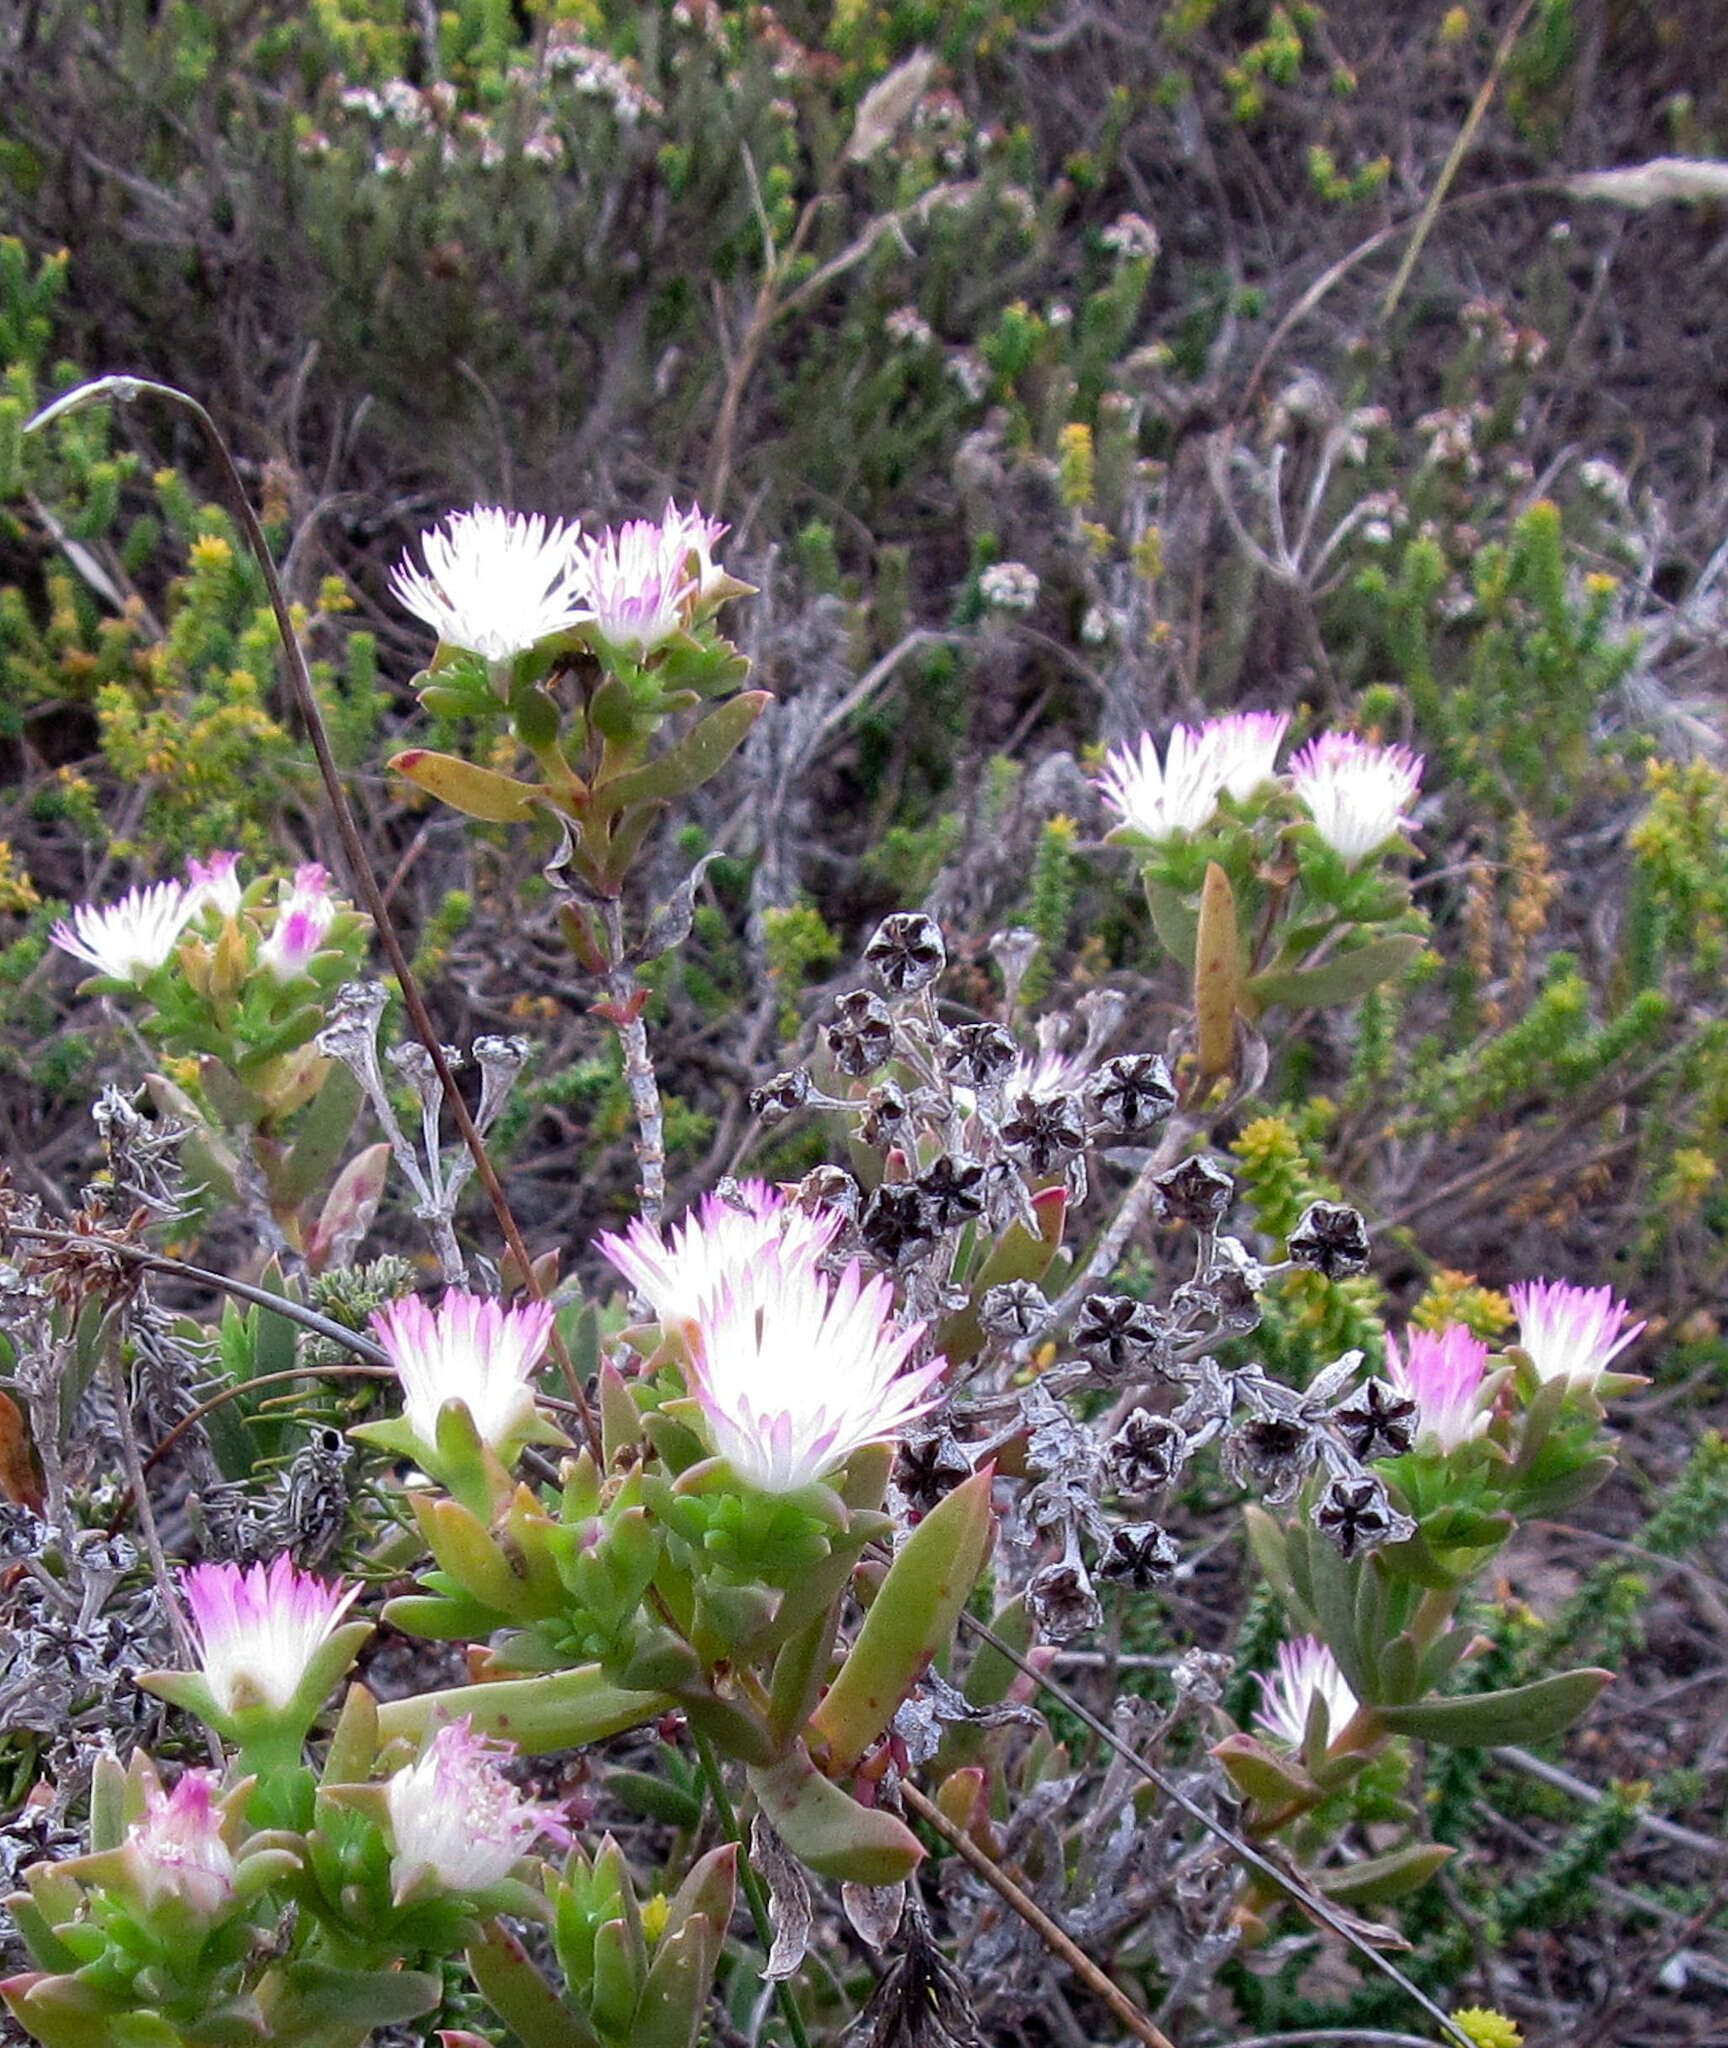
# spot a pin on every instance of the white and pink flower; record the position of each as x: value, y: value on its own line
x: 259, y: 1629
x: 471, y: 1349
x: 1358, y: 794
x: 1307, y: 1670
x: 496, y: 582
x: 1442, y: 1372
x: 456, y: 1819
x: 794, y: 1371
x: 130, y: 939
x: 177, y: 1851
x: 303, y: 917
x: 645, y: 581
x: 680, y: 1274
x: 1571, y: 1333
x: 214, y: 884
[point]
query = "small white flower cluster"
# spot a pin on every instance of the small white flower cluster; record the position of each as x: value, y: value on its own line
x: 600, y: 76
x: 908, y: 327
x: 1133, y: 237
x: 1356, y: 793
x: 1603, y: 480
x: 969, y: 370
x: 1009, y: 587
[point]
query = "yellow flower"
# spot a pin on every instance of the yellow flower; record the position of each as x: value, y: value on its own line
x: 1487, y: 2028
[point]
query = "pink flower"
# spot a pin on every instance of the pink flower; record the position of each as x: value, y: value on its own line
x: 1571, y: 1333
x: 303, y: 916
x: 469, y: 1349
x: 680, y: 1274
x: 177, y: 1851
x: 495, y: 582
x: 646, y: 580
x: 1356, y: 793
x: 1307, y: 1670
x: 259, y: 1629
x: 214, y: 883
x: 456, y: 1818
x: 1441, y: 1371
x: 130, y: 939
x: 794, y: 1371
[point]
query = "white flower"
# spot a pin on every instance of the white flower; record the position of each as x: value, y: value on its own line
x: 495, y: 582
x: 129, y: 939
x: 908, y: 326
x: 455, y: 1817
x: 794, y: 1372
x: 1133, y: 236
x: 1245, y: 749
x: 177, y: 1850
x: 1357, y: 794
x: 469, y: 1349
x: 1161, y: 798
x: 681, y: 1274
x: 645, y: 581
x: 1307, y: 1670
x: 259, y: 1629
x: 1009, y: 587
x: 1571, y: 1333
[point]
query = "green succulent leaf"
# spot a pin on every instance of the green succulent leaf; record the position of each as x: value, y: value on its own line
x: 1521, y: 1714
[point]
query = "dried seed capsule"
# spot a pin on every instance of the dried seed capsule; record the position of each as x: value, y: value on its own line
x: 953, y: 1188
x: 1358, y: 1514
x: 885, y: 1116
x: 1377, y: 1421
x: 1014, y: 1311
x: 1330, y: 1238
x: 930, y: 1464
x: 1120, y: 1338
x: 862, y: 1035
x: 1146, y: 1453
x: 775, y: 1100
x: 896, y: 1226
x: 1141, y: 1557
x: 978, y: 1055
x: 828, y: 1187
x: 1196, y: 1192
x: 1224, y: 1302
x: 906, y: 952
x: 1132, y: 1093
x: 1045, y: 1131
x: 1272, y: 1453
x: 1062, y: 1603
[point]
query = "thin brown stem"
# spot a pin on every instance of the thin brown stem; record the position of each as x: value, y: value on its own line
x: 1059, y: 1943
x: 365, y: 882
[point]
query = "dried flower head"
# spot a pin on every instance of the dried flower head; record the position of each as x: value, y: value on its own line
x: 259, y: 1629
x: 1571, y: 1333
x: 979, y: 1056
x: 906, y: 952
x: 1140, y: 1557
x: 1330, y: 1238
x: 1146, y: 1453
x: 1378, y: 1421
x: 897, y: 1226
x: 777, y: 1099
x: 496, y: 582
x: 1044, y: 1132
x: 456, y: 1819
x: 953, y: 1189
x: 1132, y: 1093
x: 1061, y: 1601
x: 470, y: 1349
x: 1357, y: 1513
x: 1307, y: 1671
x: 861, y: 1037
x: 779, y: 1424
x: 1123, y: 1340
x: 130, y: 939
x: 1014, y: 1311
x: 1357, y: 794
x: 1198, y: 1192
